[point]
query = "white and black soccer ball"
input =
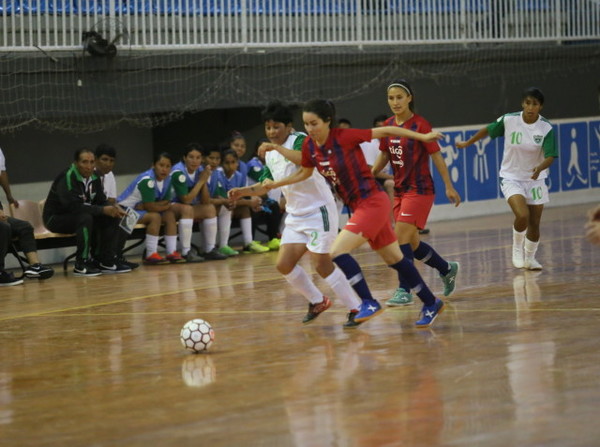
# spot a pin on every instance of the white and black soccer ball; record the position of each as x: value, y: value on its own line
x: 197, y: 335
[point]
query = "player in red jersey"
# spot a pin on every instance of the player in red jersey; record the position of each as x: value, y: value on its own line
x: 337, y: 156
x: 413, y: 187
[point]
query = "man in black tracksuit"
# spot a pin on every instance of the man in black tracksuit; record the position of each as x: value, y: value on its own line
x: 77, y: 204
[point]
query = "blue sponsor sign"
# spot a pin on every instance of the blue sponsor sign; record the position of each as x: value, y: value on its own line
x: 594, y: 155
x: 481, y: 168
x: 454, y: 159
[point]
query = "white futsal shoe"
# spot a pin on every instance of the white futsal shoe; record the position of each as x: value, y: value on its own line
x: 517, y: 257
x: 532, y: 264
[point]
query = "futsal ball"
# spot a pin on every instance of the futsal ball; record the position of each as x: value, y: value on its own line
x: 197, y: 335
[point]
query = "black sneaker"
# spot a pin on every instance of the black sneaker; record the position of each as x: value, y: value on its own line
x: 350, y: 323
x: 131, y: 265
x: 83, y: 268
x: 214, y: 255
x: 8, y: 279
x: 38, y: 271
x: 114, y: 268
x: 314, y: 310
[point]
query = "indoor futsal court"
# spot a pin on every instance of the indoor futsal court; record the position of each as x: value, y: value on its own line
x: 513, y: 361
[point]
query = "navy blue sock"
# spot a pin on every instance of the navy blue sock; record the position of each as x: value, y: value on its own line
x: 416, y: 283
x: 408, y: 254
x: 429, y: 256
x: 352, y: 270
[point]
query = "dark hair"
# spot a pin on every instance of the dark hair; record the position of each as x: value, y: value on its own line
x: 105, y: 149
x: 534, y: 92
x: 345, y: 121
x: 162, y: 155
x: 278, y: 112
x: 236, y: 135
x: 192, y: 147
x: 403, y: 84
x: 210, y: 149
x: 229, y: 152
x: 80, y: 151
x: 323, y: 108
x: 379, y: 118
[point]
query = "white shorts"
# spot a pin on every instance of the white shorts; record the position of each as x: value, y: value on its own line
x: 534, y: 191
x: 317, y: 230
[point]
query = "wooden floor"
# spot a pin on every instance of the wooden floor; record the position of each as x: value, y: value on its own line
x: 514, y: 360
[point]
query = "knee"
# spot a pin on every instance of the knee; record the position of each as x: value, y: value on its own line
x: 85, y: 220
x: 285, y: 268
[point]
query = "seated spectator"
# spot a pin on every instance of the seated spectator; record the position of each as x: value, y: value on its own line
x: 23, y: 231
x: 106, y: 157
x: 189, y: 179
x: 221, y: 181
x: 77, y: 204
x: 150, y: 194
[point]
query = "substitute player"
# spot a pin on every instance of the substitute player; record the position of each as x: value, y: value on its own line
x: 529, y: 150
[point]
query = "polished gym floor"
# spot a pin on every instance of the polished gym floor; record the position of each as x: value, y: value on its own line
x: 513, y: 361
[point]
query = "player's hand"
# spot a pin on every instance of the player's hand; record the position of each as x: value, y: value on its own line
x: 234, y: 193
x: 593, y: 226
x: 266, y: 147
x: 114, y: 211
x: 432, y: 136
x: 453, y: 196
x: 12, y: 200
x: 536, y: 173
x: 206, y: 173
x: 461, y: 144
x: 268, y: 184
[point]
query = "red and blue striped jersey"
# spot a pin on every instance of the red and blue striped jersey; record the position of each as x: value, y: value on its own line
x: 341, y: 161
x: 410, y: 158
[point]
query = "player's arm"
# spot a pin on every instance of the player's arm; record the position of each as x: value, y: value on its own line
x: 440, y: 165
x: 393, y: 131
x: 481, y: 133
x: 382, y: 159
x: 295, y: 156
x: 255, y: 190
x: 301, y: 174
x: 6, y: 187
x: 543, y: 165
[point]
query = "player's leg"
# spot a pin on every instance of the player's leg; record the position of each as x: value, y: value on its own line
x: 515, y: 195
x: 245, y: 216
x: 153, y: 222
x: 532, y: 240
x: 206, y: 214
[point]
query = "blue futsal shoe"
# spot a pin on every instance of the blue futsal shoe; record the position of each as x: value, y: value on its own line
x: 430, y: 313
x: 368, y: 309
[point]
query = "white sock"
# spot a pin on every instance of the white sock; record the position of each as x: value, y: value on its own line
x: 224, y: 226
x: 185, y: 235
x: 209, y: 229
x: 530, y: 248
x: 518, y: 238
x: 246, y: 226
x: 171, y: 243
x: 300, y: 281
x: 342, y: 289
x: 151, y: 244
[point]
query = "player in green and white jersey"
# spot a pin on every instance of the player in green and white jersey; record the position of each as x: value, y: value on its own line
x: 312, y: 220
x: 529, y: 150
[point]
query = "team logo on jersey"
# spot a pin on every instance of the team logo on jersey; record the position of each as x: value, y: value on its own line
x: 181, y: 178
x: 537, y: 139
x: 150, y: 183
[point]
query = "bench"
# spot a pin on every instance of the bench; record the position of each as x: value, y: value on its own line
x: 45, y: 239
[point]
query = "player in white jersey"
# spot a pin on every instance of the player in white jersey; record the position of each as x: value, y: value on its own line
x: 529, y: 150
x: 311, y: 222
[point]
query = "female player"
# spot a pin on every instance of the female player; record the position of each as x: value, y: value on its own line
x: 413, y: 187
x: 529, y: 150
x: 337, y: 156
x: 311, y: 222
x: 189, y: 180
x: 150, y: 195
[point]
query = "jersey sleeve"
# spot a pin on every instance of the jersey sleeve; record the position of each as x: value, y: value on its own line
x: 146, y: 188
x: 265, y: 174
x: 353, y: 137
x: 496, y: 129
x: 297, y: 146
x: 179, y: 184
x: 549, y: 145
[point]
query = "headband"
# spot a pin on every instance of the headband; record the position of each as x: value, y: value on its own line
x: 402, y: 86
